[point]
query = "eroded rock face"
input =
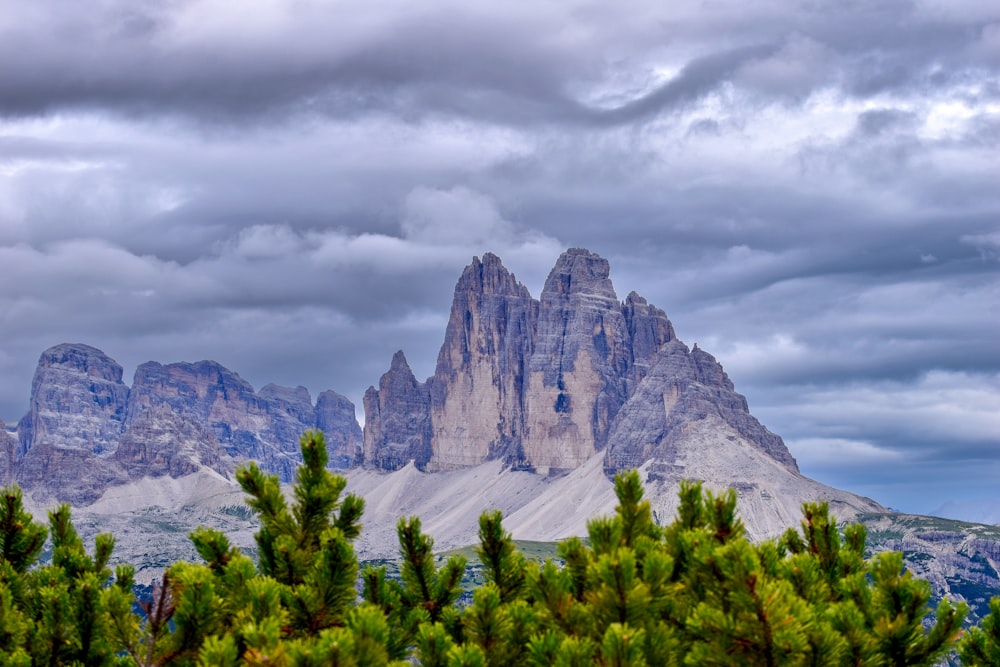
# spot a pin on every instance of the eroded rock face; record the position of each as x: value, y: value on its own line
x: 477, y: 408
x: 545, y: 385
x: 74, y: 421
x: 577, y: 373
x: 161, y: 442
x: 397, y: 419
x: 682, y: 389
x: 66, y: 474
x: 335, y: 417
x: 264, y: 427
x: 648, y: 329
x: 8, y: 454
x: 86, y: 430
x: 77, y: 401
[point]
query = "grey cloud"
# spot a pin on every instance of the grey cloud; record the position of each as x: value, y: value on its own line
x: 462, y: 61
x: 295, y: 193
x: 879, y: 121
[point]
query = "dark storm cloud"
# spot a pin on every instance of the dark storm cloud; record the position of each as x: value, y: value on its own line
x: 348, y: 60
x: 292, y: 190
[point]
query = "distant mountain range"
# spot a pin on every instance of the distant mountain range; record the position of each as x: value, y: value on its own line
x: 575, y: 378
x: 534, y: 405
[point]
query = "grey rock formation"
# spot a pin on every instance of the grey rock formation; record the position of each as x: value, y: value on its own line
x: 581, y: 366
x: 8, y: 454
x: 160, y: 441
x: 77, y: 400
x: 336, y: 418
x: 477, y: 405
x: 86, y: 430
x: 66, y: 474
x: 545, y: 385
x: 74, y: 421
x: 397, y: 419
x: 246, y: 425
x: 648, y: 329
x: 683, y: 388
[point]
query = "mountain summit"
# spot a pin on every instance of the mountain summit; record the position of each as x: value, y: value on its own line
x: 574, y: 387
x: 545, y: 385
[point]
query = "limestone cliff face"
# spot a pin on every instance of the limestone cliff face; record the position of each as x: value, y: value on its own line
x: 160, y: 441
x: 77, y: 401
x: 8, y: 454
x: 264, y: 427
x: 86, y: 430
x: 335, y: 417
x: 577, y: 374
x: 477, y: 390
x: 648, y: 329
x: 545, y: 385
x: 74, y: 421
x: 683, y: 389
x: 397, y: 419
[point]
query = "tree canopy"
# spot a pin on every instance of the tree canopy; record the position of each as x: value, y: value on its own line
x: 694, y: 592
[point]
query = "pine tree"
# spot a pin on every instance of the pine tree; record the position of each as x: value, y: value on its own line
x: 981, y: 646
x: 694, y: 592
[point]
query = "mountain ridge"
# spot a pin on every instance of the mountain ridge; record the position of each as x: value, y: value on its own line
x: 573, y: 385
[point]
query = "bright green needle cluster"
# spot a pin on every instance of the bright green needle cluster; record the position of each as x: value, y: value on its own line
x: 695, y: 592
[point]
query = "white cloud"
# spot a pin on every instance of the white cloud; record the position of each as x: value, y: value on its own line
x: 457, y: 216
x: 268, y: 241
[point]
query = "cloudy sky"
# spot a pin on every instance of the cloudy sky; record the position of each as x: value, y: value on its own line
x: 810, y: 190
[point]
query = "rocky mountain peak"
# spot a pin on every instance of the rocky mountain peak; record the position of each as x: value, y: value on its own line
x: 86, y: 430
x: 77, y: 399
x: 399, y: 367
x: 579, y: 271
x: 81, y: 360
x: 489, y: 276
x: 547, y: 384
x: 295, y: 395
x: 399, y: 411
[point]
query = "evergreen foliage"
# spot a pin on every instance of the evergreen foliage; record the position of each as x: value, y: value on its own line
x: 695, y: 592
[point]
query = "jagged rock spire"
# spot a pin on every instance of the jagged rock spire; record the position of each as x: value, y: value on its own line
x: 547, y: 384
x: 397, y: 422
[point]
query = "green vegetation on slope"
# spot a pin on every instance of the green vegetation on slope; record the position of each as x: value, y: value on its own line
x: 695, y: 592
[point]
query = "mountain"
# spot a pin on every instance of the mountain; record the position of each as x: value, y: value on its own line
x: 578, y: 380
x: 87, y: 431
x: 574, y: 383
x: 533, y: 406
x: 961, y: 560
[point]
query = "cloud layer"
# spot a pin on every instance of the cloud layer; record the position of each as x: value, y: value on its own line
x: 292, y: 190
